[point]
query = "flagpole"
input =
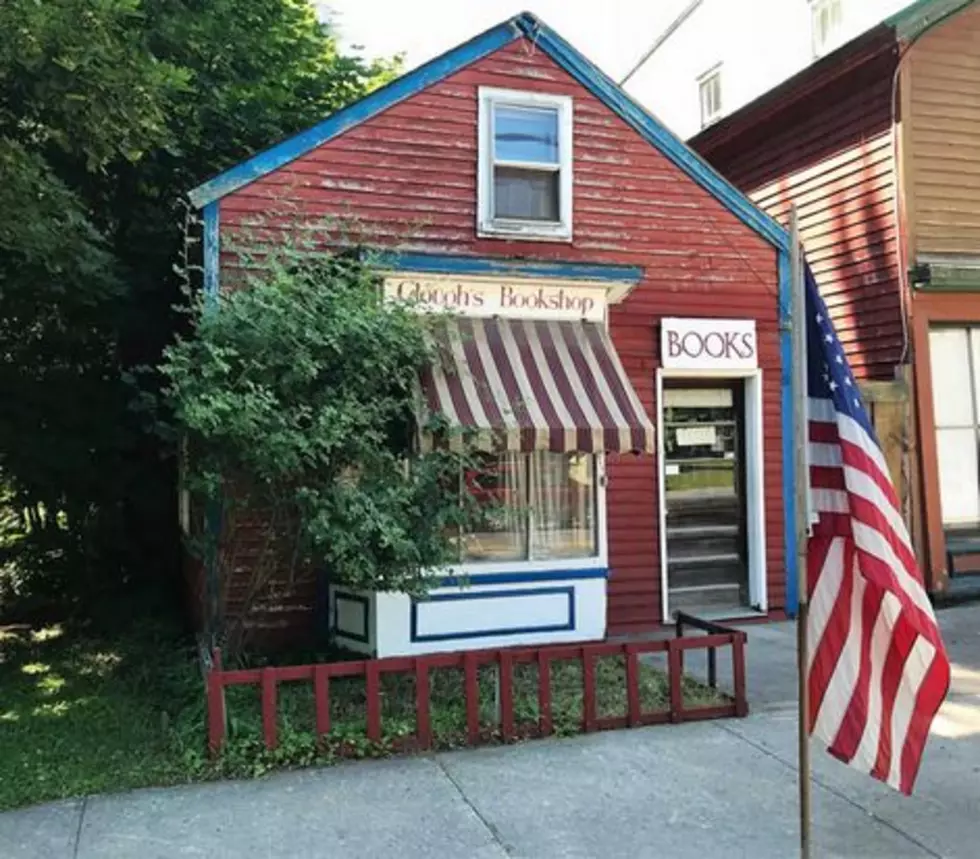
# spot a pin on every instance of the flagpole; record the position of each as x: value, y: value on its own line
x: 802, y: 524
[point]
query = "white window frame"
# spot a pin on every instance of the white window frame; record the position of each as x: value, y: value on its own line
x: 598, y: 560
x: 489, y: 226
x: 835, y: 39
x: 704, y: 80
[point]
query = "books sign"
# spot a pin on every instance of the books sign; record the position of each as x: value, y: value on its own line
x: 708, y: 344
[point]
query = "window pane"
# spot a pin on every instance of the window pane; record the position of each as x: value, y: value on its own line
x: 527, y: 195
x: 951, y: 391
x: 959, y: 492
x: 525, y: 134
x: 563, y: 505
x: 499, y: 487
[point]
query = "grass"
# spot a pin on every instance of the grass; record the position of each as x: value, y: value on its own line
x: 82, y: 715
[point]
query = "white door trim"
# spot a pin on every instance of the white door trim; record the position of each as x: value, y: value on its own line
x: 754, y: 474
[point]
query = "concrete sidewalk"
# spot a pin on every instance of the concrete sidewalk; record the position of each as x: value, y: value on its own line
x: 702, y: 790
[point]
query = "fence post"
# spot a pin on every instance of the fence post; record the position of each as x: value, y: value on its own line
x: 423, y: 727
x: 738, y: 674
x: 269, y: 708
x: 216, y: 704
x: 675, y: 673
x: 632, y: 685
x: 588, y: 690
x: 321, y: 697
x: 544, y: 693
x: 506, y: 677
x: 472, y: 696
x: 713, y: 667
x: 372, y: 691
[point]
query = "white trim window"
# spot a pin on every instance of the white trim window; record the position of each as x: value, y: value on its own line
x: 525, y: 165
x: 826, y: 25
x: 709, y: 96
x: 539, y: 511
x: 954, y: 353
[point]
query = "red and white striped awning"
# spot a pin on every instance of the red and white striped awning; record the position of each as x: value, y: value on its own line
x: 513, y: 384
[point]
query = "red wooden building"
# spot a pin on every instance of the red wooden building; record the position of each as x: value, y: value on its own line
x: 513, y: 180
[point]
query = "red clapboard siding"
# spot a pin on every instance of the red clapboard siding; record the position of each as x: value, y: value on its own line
x: 408, y: 178
x: 824, y: 142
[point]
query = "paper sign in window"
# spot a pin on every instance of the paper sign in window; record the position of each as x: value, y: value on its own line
x: 695, y: 436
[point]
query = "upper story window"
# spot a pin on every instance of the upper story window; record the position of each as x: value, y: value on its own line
x: 826, y: 25
x: 709, y: 89
x: 525, y: 167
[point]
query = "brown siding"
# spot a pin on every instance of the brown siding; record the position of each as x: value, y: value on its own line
x: 828, y: 149
x: 408, y: 177
x: 943, y: 137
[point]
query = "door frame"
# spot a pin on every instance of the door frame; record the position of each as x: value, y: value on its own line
x: 754, y: 479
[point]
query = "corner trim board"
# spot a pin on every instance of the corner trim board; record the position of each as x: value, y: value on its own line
x: 789, y: 453
x: 212, y: 252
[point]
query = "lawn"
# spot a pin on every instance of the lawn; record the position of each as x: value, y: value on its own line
x: 81, y: 715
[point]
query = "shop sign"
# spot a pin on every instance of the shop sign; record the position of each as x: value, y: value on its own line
x: 708, y: 344
x: 501, y: 297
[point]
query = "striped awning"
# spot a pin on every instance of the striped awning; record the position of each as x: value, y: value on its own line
x: 512, y: 384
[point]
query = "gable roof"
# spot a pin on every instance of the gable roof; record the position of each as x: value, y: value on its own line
x: 564, y: 55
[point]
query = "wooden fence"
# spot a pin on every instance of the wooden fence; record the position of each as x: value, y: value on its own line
x: 504, y: 660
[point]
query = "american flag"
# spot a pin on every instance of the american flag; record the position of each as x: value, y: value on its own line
x: 878, y: 670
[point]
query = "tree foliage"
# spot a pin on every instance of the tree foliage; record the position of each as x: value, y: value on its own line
x: 297, y: 398
x: 110, y: 110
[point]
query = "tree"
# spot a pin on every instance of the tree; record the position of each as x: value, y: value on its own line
x: 110, y: 110
x: 296, y: 396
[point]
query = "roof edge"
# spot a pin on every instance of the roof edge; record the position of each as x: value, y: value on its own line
x: 337, y: 123
x: 848, y: 58
x: 592, y: 78
x: 912, y: 21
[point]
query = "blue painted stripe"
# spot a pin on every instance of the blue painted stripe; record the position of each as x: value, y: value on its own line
x: 456, y: 264
x: 398, y: 90
x: 567, y: 626
x: 789, y: 442
x: 212, y: 253
x: 615, y: 98
x: 477, y: 579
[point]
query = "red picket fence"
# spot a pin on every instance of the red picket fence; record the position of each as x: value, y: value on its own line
x: 320, y: 675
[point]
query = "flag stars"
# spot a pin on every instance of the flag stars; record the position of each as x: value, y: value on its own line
x: 833, y: 385
x: 829, y: 338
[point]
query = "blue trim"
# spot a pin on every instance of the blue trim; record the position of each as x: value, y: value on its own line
x: 365, y: 603
x: 789, y: 442
x: 212, y: 253
x: 524, y: 577
x: 354, y: 114
x: 455, y: 264
x: 616, y: 99
x: 487, y: 633
x: 588, y: 75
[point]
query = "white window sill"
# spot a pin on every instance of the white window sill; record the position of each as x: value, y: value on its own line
x: 522, y: 233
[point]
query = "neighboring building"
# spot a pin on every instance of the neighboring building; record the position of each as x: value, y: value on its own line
x: 603, y: 274
x: 878, y: 146
x: 719, y: 55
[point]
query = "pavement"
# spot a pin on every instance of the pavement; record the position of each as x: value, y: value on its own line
x: 725, y: 788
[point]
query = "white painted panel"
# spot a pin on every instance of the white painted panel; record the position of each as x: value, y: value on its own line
x: 951, y: 392
x: 698, y: 398
x: 959, y: 493
x: 393, y: 625
x: 352, y: 615
x: 490, y: 611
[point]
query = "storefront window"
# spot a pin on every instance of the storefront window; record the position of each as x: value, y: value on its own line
x: 955, y: 357
x: 537, y: 506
